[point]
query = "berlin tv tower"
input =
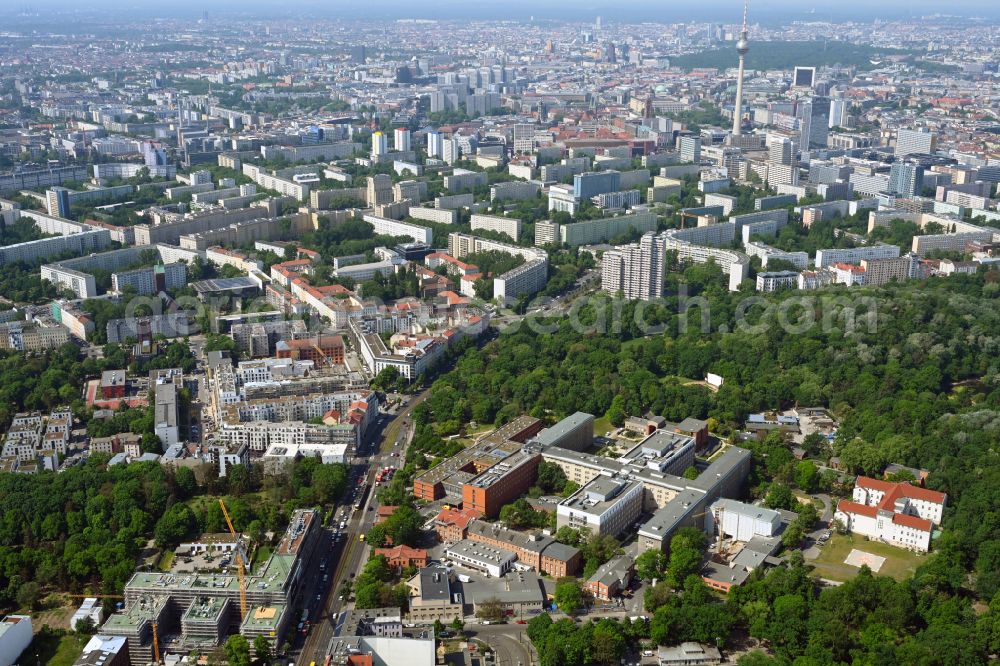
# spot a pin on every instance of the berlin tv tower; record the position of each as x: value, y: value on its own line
x: 742, y: 46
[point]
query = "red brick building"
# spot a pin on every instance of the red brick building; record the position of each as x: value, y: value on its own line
x: 401, y: 557
x: 451, y: 525
x: 501, y: 484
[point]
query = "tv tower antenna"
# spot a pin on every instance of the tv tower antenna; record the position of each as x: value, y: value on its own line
x: 742, y: 47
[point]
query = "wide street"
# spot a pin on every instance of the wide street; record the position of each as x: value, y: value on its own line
x: 509, y: 642
x: 347, y: 557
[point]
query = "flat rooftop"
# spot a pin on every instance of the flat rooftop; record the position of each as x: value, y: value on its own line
x: 264, y: 618
x: 501, y: 469
x: 223, y: 284
x: 205, y: 609
x: 480, y: 553
x: 434, y: 584
x: 600, y: 494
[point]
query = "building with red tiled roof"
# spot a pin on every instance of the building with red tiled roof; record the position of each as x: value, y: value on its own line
x: 900, y: 514
x: 401, y: 557
x: 451, y: 524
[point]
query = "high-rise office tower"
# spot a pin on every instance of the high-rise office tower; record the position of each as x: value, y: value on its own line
x: 814, y: 122
x: 358, y: 53
x: 635, y: 270
x: 838, y: 113
x: 906, y: 179
x: 401, y: 139
x: 689, y: 148
x: 910, y: 141
x: 380, y: 144
x: 742, y: 47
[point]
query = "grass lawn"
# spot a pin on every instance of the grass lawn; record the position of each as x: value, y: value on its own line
x: 55, y: 647
x: 260, y: 557
x: 899, y: 563
x: 166, y: 561
x: 69, y: 649
x: 601, y: 426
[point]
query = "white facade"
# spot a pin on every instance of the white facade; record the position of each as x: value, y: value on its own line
x: 635, y: 270
x: 15, y: 636
x: 741, y: 521
x: 604, y: 506
x: 854, y: 255
x: 476, y: 555
x: 899, y: 514
x: 387, y: 227
x: 504, y: 225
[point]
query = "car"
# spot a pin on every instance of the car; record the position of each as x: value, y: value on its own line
x: 521, y: 622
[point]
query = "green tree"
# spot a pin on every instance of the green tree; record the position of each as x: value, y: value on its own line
x: 551, y: 477
x: 490, y: 610
x: 651, y: 564
x: 29, y: 594
x: 616, y: 411
x: 569, y: 595
x: 262, y: 649
x: 607, y: 642
x: 237, y: 650
x: 807, y: 476
x: 780, y: 496
x: 686, y: 549
x: 520, y: 514
x: 176, y: 524
x: 656, y: 596
x: 404, y: 526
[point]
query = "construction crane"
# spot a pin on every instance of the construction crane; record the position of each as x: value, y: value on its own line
x: 241, y: 562
x: 97, y: 596
x: 156, y: 645
x: 322, y: 354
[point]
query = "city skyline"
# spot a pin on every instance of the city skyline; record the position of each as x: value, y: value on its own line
x: 769, y: 12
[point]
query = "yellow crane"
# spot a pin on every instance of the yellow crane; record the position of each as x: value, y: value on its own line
x: 241, y: 563
x: 156, y: 645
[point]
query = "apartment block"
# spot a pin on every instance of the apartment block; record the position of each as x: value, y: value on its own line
x: 635, y: 270
x: 503, y: 225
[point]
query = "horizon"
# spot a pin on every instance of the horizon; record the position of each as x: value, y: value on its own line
x: 728, y: 11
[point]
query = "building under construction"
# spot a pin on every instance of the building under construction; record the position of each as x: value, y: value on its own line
x: 184, y: 610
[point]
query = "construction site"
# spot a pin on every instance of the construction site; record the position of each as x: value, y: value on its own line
x: 181, y: 611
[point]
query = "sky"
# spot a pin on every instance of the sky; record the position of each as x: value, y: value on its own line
x: 768, y: 11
